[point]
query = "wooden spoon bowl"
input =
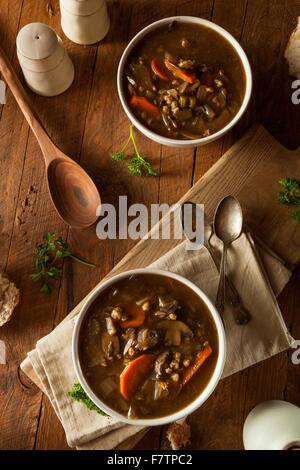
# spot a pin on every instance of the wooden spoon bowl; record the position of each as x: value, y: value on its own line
x: 72, y: 191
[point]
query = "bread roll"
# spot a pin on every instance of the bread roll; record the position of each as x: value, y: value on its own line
x: 9, y: 298
x: 292, y: 51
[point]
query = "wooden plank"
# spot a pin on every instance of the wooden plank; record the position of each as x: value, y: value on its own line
x: 13, y: 133
x: 50, y: 433
x: 177, y: 165
x: 277, y: 377
x: 36, y: 216
x: 267, y: 28
x: 230, y: 15
x: 269, y: 380
x: 292, y: 388
x: 101, y: 137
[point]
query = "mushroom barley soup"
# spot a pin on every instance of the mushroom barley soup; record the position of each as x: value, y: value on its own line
x: 148, y: 346
x: 184, y: 81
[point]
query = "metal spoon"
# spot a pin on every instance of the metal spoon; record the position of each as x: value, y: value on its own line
x: 241, y: 314
x: 228, y: 224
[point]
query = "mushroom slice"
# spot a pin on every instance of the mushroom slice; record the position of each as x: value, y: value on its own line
x: 160, y: 362
x: 209, y: 112
x: 130, y: 343
x: 160, y: 390
x: 146, y: 339
x: 110, y: 326
x: 292, y: 52
x: 183, y: 114
x: 168, y: 305
x: 167, y: 121
x: 161, y: 314
x: 143, y: 300
x: 110, y: 345
x: 182, y: 87
x: 174, y: 330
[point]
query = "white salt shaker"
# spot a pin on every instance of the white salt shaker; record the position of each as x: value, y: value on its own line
x: 84, y: 21
x: 272, y: 425
x: 46, y: 66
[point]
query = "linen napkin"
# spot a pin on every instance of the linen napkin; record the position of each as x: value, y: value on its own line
x: 259, y: 276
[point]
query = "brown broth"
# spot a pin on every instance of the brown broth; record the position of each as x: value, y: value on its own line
x: 193, y: 312
x: 206, y: 47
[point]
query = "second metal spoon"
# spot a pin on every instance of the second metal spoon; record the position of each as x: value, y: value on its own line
x: 228, y: 224
x: 240, y: 313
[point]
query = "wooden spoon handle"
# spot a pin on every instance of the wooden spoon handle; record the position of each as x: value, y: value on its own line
x: 23, y: 101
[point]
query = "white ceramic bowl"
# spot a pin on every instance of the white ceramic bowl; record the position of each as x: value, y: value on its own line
x: 176, y: 142
x: 210, y: 386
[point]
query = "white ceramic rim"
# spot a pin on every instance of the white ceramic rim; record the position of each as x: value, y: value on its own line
x: 210, y: 386
x: 176, y: 142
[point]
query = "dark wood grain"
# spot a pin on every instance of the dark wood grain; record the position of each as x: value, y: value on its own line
x: 87, y: 122
x: 72, y: 191
x: 34, y: 217
x: 13, y: 132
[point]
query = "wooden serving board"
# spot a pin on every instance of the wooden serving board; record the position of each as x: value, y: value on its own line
x: 250, y: 170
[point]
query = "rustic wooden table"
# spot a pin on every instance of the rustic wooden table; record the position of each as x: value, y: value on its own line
x: 87, y: 122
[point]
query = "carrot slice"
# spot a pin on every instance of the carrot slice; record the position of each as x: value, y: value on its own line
x: 136, y: 317
x: 158, y: 70
x: 187, y: 77
x: 134, y: 374
x: 193, y: 368
x: 142, y: 104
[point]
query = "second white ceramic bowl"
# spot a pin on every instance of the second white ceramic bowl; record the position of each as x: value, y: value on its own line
x: 176, y: 142
x: 210, y: 386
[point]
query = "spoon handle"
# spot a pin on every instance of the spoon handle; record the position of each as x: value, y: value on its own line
x: 220, y: 300
x: 22, y: 99
x: 241, y: 314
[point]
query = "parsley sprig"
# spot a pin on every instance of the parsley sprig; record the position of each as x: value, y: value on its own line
x: 137, y: 165
x: 290, y: 195
x: 78, y: 394
x: 47, y: 257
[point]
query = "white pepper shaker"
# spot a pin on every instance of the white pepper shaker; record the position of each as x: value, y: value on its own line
x: 84, y: 21
x: 46, y: 66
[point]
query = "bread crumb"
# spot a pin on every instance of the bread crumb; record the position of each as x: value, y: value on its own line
x: 179, y: 434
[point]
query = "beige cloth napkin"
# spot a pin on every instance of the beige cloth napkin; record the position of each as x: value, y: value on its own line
x: 259, y: 277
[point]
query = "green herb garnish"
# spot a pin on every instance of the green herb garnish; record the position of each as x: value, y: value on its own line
x: 47, y: 257
x: 137, y: 165
x: 78, y: 394
x: 291, y: 195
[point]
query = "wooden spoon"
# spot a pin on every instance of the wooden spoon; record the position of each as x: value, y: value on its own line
x: 73, y: 193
